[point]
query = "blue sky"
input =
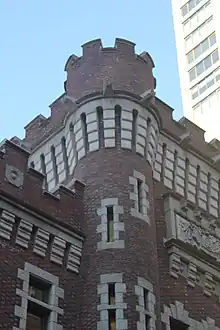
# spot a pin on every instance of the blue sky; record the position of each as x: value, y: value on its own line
x: 37, y: 37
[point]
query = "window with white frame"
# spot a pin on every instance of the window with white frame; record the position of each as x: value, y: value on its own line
x: 145, y: 304
x: 203, y: 65
x: 111, y: 291
x: 139, y: 196
x: 198, y: 18
x: 198, y: 34
x: 205, y: 84
x: 190, y: 5
x: 111, y: 225
x: 39, y: 294
x: 201, y: 48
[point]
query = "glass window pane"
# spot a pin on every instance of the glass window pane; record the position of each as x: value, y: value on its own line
x: 199, y: 68
x: 215, y: 57
x: 184, y: 10
x: 192, y: 74
x: 207, y: 62
x: 210, y: 82
x: 190, y: 57
x: 212, y: 39
x: 198, y: 51
x: 205, y: 45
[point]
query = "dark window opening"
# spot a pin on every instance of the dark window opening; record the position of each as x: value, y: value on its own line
x: 65, y: 158
x: 177, y: 325
x: 37, y: 317
x: 38, y: 289
x: 43, y: 169
x: 139, y: 191
x: 118, y: 124
x: 134, y: 127
x: 145, y: 299
x: 147, y: 322
x: 84, y: 130
x: 110, y: 224
x: 112, y: 319
x: 111, y: 294
x: 54, y: 162
x: 100, y: 126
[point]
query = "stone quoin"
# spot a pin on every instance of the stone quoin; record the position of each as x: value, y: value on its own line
x: 109, y: 208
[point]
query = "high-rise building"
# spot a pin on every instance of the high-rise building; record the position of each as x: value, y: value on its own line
x: 109, y: 208
x: 197, y: 30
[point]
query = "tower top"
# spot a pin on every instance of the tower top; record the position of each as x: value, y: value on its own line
x: 119, y: 66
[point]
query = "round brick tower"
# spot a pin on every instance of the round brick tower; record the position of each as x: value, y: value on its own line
x: 115, y: 131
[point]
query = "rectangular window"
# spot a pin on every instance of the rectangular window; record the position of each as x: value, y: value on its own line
x: 38, y: 289
x: 145, y: 299
x: 37, y: 317
x: 139, y: 190
x: 112, y: 319
x: 196, y: 18
x: 206, y: 83
x: 111, y: 294
x: 110, y: 224
x: 147, y: 322
x: 204, y: 65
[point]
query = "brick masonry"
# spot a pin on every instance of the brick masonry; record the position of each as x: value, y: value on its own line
x: 106, y: 132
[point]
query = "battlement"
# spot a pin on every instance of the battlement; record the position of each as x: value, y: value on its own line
x: 25, y: 187
x: 133, y: 73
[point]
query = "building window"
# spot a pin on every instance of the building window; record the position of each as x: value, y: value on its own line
x: 139, y: 193
x: 198, y: 35
x: 112, y: 319
x: 43, y: 169
x: 41, y: 303
x: 203, y: 65
x: 111, y: 294
x: 205, y: 84
x: 189, y: 6
x: 201, y: 48
x: 110, y: 224
x: 145, y: 298
x: 65, y: 157
x: 197, y: 18
x: 84, y: 132
x: 54, y: 162
x: 38, y: 289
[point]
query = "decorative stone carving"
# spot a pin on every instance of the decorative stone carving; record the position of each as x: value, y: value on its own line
x: 14, y: 176
x: 41, y: 242
x: 209, y: 285
x: 74, y: 257
x: 58, y: 250
x: 189, y: 232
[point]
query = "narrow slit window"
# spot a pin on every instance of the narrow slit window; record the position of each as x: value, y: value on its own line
x: 176, y: 324
x: 65, y: 157
x: 53, y: 158
x: 43, y: 169
x: 72, y: 134
x: 198, y: 170
x: 186, y: 179
x: 112, y: 319
x: 139, y: 193
x: 145, y: 298
x: 118, y: 124
x: 134, y: 127
x: 111, y: 294
x: 100, y: 126
x: 84, y: 130
x: 147, y: 322
x: 110, y: 224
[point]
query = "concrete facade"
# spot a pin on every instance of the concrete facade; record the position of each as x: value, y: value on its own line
x: 109, y: 208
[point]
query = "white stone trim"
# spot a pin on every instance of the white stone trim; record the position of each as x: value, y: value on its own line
x: 62, y: 238
x: 104, y: 307
x: 118, y: 225
x: 140, y: 307
x: 7, y: 220
x: 24, y: 233
x: 55, y: 293
x: 178, y: 312
x: 133, y: 180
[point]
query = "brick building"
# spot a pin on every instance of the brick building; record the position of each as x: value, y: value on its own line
x: 109, y: 208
